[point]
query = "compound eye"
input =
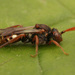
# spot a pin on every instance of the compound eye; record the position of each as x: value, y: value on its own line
x: 56, y: 35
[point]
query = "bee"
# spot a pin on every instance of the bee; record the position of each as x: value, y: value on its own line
x: 38, y: 34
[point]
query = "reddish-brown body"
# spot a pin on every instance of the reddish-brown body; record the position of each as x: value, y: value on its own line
x: 39, y: 34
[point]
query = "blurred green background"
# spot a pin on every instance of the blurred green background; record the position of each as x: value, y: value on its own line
x: 15, y: 59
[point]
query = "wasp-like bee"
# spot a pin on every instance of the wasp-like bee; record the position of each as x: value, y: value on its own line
x: 38, y: 34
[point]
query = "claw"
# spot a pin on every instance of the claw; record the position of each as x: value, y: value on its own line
x: 34, y: 55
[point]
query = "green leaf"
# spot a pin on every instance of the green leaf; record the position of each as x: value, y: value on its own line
x: 15, y: 59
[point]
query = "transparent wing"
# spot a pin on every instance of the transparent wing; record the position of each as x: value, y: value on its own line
x: 11, y: 30
x: 1, y: 31
x: 29, y: 31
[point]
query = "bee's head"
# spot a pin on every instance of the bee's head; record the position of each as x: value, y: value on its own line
x: 56, y: 35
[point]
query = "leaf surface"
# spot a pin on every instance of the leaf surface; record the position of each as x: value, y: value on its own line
x: 15, y: 58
